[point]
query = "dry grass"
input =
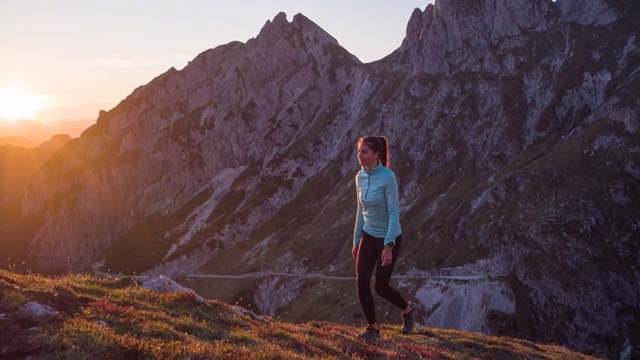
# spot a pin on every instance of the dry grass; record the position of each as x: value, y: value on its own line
x: 106, y: 318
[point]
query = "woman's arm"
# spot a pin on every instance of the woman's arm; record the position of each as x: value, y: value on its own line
x: 393, y: 210
x: 357, y: 232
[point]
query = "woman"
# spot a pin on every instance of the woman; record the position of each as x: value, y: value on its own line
x: 377, y: 234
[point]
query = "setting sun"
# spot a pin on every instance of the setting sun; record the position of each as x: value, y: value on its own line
x: 16, y: 103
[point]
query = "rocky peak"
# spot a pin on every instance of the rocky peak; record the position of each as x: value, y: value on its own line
x: 466, y: 35
x: 56, y: 142
x: 588, y: 12
x: 299, y: 40
x: 477, y: 35
x: 280, y: 27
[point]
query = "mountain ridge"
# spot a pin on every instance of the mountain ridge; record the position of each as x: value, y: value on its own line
x: 514, y: 141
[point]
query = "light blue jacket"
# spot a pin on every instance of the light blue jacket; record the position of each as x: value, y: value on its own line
x: 378, y: 205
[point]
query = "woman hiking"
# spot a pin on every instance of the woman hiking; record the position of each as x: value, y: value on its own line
x: 377, y: 235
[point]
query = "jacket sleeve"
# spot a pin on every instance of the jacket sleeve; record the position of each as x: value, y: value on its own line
x: 357, y: 232
x: 393, y: 209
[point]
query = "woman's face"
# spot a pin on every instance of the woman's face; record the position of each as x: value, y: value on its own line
x: 367, y: 157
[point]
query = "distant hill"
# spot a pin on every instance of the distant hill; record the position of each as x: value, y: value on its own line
x: 19, y: 164
x: 39, y: 132
x: 18, y: 142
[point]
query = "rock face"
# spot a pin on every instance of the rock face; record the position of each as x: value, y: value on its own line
x: 514, y: 135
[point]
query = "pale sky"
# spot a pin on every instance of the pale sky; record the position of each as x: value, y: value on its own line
x: 82, y: 56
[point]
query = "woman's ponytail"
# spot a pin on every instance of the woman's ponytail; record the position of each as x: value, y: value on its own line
x: 384, y: 151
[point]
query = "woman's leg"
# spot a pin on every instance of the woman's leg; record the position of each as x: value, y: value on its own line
x: 365, y: 262
x: 383, y: 276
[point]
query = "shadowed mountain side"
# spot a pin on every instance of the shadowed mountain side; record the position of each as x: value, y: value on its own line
x: 17, y: 166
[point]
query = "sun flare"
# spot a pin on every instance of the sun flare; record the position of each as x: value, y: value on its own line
x: 18, y: 104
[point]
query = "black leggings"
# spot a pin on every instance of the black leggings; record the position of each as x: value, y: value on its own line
x: 369, y: 254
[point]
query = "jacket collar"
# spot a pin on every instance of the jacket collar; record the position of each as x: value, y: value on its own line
x: 373, y: 170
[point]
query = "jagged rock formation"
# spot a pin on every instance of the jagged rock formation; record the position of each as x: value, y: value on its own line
x: 514, y: 130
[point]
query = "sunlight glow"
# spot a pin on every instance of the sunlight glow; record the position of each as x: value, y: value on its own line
x: 18, y: 104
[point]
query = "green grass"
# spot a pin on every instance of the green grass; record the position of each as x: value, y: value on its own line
x: 114, y: 318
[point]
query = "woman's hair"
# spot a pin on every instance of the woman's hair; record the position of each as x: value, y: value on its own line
x: 379, y: 144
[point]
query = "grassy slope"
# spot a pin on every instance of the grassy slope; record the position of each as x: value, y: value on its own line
x: 104, y: 318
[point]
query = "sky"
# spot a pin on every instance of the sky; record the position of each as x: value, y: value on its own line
x: 69, y: 59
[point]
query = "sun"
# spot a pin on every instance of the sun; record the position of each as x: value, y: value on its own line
x: 18, y: 104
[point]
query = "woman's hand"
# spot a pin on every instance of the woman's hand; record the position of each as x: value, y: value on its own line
x: 354, y: 251
x: 387, y: 256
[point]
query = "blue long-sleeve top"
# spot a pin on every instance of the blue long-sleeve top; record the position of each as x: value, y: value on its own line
x: 378, y: 204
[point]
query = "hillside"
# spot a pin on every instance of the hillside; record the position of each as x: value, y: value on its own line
x: 83, y: 316
x: 18, y: 165
x: 515, y: 134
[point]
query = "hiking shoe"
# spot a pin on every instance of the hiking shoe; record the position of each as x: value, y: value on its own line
x: 409, y: 320
x: 370, y: 334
